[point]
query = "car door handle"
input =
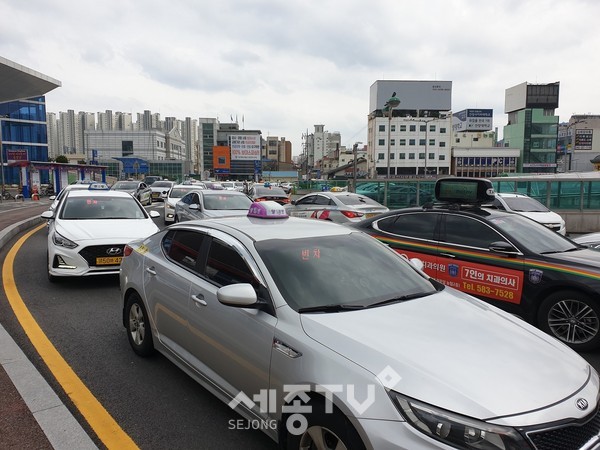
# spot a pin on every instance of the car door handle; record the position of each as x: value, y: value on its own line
x: 199, y: 300
x: 448, y: 255
x: 151, y: 270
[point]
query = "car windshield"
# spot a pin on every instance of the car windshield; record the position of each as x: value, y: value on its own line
x: 357, y: 200
x: 338, y: 270
x: 180, y: 192
x: 225, y: 202
x: 524, y: 204
x: 161, y: 184
x: 533, y: 235
x: 125, y: 185
x: 263, y: 191
x: 85, y: 208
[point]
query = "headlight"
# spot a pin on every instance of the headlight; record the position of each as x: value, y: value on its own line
x: 62, y: 241
x: 456, y: 430
x: 169, y: 206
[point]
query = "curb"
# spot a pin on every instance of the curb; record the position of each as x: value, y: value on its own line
x: 56, y: 421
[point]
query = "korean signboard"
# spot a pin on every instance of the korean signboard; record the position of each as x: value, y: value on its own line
x: 245, y: 147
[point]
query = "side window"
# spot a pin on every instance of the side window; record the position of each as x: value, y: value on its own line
x: 417, y: 225
x: 182, y: 247
x: 306, y: 201
x: 322, y: 200
x: 226, y: 266
x: 470, y: 232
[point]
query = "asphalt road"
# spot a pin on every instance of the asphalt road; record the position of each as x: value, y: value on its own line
x: 152, y: 400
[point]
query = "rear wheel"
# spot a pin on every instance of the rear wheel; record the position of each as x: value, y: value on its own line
x: 139, y: 332
x: 572, y: 317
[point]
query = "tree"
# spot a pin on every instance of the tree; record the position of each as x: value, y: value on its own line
x: 61, y: 159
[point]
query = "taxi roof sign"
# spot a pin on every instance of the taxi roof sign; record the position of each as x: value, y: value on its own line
x: 267, y: 209
x: 98, y: 186
x: 464, y: 190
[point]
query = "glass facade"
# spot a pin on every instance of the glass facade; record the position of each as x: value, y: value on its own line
x: 23, y: 127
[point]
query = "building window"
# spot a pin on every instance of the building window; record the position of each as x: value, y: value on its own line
x: 392, y: 141
x: 381, y: 142
x: 457, y: 140
x: 421, y: 155
x: 412, y: 128
x: 475, y: 139
x: 442, y: 130
x: 411, y: 156
x: 402, y: 141
x: 391, y: 156
x: 402, y: 127
x: 431, y: 127
x: 393, y: 128
x: 402, y: 155
x: 442, y: 157
x: 380, y: 156
x: 381, y: 127
x: 422, y: 142
x: 411, y: 142
x: 432, y: 142
x: 431, y: 155
x: 442, y: 144
x: 423, y: 128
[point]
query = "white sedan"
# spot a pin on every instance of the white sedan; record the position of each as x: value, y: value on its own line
x: 174, y: 195
x: 89, y: 229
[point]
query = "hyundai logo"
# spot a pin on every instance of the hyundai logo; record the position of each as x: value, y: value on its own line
x: 582, y: 404
x: 113, y: 251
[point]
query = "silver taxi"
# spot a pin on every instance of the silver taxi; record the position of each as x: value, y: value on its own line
x: 287, y: 321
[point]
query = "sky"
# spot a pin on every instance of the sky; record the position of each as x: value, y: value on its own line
x: 284, y: 66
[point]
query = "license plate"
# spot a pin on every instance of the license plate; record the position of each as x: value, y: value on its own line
x: 109, y: 260
x: 155, y: 194
x: 370, y: 215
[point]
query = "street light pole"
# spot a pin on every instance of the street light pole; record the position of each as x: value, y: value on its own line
x: 392, y: 103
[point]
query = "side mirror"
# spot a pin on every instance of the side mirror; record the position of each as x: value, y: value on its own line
x: 503, y: 247
x: 241, y: 295
x: 48, y: 215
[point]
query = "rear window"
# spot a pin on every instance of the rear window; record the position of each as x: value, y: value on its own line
x: 357, y: 200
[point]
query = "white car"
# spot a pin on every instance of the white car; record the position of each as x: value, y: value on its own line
x: 530, y: 207
x: 160, y: 189
x: 75, y: 186
x: 174, y: 195
x: 89, y: 229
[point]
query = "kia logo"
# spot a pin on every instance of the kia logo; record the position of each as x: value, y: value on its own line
x: 114, y: 251
x: 582, y: 404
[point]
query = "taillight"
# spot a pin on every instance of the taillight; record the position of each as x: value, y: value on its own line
x: 285, y: 200
x: 261, y: 199
x: 127, y: 250
x: 352, y: 214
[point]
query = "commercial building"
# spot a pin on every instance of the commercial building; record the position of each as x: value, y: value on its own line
x: 532, y: 125
x: 413, y: 137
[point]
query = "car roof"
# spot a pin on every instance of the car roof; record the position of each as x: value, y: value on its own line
x: 98, y: 193
x: 510, y: 194
x: 258, y: 229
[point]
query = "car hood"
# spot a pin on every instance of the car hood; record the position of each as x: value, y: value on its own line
x: 209, y: 214
x: 455, y: 352
x: 585, y: 256
x: 124, y: 230
x: 542, y: 217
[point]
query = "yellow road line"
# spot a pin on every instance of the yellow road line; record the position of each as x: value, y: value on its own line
x: 105, y: 427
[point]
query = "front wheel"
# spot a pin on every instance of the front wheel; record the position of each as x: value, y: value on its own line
x: 322, y: 430
x: 573, y: 318
x: 139, y: 332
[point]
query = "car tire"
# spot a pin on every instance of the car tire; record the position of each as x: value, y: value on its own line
x: 573, y: 318
x: 139, y: 332
x: 51, y: 278
x: 330, y: 428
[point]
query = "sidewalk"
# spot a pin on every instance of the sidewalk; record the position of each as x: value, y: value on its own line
x: 31, y: 414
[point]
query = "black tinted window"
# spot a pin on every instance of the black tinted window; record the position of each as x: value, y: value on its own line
x: 182, y: 247
x: 471, y: 232
x: 226, y: 266
x: 419, y: 225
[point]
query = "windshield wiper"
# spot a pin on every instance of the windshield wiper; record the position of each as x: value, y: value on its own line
x: 401, y: 298
x: 330, y: 308
x: 572, y: 249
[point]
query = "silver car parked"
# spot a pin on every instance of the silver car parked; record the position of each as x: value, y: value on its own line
x: 339, y: 207
x: 203, y: 204
x: 288, y: 321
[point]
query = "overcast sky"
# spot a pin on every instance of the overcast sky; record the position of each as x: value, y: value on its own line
x: 286, y: 65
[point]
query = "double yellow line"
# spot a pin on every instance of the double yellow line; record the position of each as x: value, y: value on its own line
x: 105, y: 427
